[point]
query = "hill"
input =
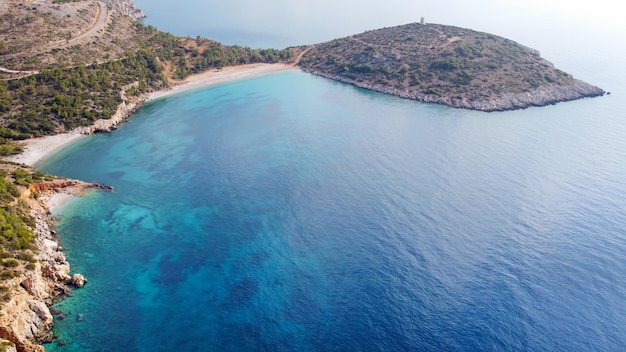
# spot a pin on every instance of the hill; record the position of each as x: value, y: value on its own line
x: 447, y: 65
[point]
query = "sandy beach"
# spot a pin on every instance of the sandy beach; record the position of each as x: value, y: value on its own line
x: 226, y: 74
x: 37, y: 149
x: 57, y: 200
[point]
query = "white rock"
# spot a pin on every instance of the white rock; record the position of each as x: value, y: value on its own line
x: 78, y: 280
x: 50, y: 245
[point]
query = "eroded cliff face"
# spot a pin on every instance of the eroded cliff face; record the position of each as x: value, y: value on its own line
x: 25, y: 319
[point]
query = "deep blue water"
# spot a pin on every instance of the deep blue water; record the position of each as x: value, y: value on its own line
x: 292, y: 213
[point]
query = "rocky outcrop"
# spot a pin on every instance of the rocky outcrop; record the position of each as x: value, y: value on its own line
x: 54, y: 266
x: 548, y: 95
x: 26, y: 317
x: 73, y: 187
x: 126, y: 7
x: 539, y: 97
x: 78, y: 280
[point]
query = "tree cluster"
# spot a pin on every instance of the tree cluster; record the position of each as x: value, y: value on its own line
x: 16, y: 226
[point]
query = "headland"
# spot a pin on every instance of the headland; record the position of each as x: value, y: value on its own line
x: 446, y: 65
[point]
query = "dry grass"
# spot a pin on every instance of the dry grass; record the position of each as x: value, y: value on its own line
x: 38, y: 36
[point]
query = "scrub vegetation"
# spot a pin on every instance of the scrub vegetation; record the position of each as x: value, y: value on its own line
x: 17, y: 249
x: 416, y: 61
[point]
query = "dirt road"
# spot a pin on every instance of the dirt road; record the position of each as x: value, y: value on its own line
x: 98, y: 24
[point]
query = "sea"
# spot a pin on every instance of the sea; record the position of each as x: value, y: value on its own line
x: 288, y: 212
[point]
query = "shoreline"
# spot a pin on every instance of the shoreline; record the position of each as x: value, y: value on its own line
x: 27, y: 318
x: 37, y: 149
x: 542, y: 96
x: 225, y: 75
x: 58, y: 200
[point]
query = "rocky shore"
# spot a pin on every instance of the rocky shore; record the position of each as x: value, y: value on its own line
x: 26, y: 317
x: 542, y: 96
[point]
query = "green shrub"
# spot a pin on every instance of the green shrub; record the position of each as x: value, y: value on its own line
x: 10, y: 263
x: 26, y: 256
x: 433, y: 91
x: 6, y: 275
x: 447, y: 64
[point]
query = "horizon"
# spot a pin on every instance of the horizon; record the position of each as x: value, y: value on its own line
x: 553, y: 29
x: 298, y: 23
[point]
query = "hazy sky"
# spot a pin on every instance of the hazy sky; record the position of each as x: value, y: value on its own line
x: 578, y: 26
x: 300, y: 22
x: 583, y: 37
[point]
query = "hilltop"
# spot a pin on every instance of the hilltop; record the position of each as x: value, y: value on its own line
x: 447, y: 65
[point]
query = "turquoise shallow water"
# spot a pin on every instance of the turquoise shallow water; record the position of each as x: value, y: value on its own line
x: 288, y: 212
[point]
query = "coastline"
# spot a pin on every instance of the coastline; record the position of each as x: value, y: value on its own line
x: 57, y: 200
x: 27, y: 318
x: 542, y: 96
x: 37, y: 149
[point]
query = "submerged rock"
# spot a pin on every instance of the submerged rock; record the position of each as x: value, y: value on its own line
x: 78, y: 280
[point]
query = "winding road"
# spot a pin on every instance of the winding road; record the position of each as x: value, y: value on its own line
x: 299, y: 57
x: 98, y: 24
x: 4, y: 69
